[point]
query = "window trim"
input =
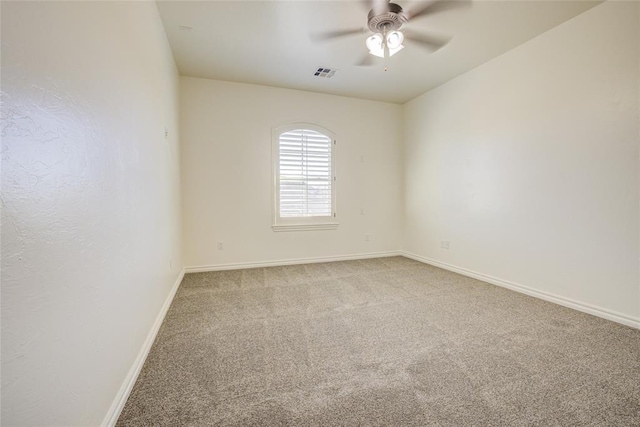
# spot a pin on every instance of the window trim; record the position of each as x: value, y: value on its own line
x: 301, y: 223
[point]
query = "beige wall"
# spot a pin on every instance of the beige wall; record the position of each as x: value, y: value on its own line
x: 529, y: 164
x: 227, y: 175
x: 91, y: 239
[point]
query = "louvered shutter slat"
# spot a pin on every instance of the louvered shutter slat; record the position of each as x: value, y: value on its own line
x: 305, y: 174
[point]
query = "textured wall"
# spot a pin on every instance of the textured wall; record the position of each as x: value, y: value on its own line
x: 227, y: 174
x: 90, y: 202
x: 529, y: 164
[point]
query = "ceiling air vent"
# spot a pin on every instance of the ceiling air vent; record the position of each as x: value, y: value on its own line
x: 327, y: 73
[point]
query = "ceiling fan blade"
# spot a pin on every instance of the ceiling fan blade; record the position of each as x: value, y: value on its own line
x: 435, y: 6
x: 430, y: 42
x: 328, y: 35
x: 366, y: 61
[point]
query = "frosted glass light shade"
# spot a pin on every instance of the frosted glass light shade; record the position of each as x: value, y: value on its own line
x: 395, y: 39
x: 396, y: 50
x: 374, y: 44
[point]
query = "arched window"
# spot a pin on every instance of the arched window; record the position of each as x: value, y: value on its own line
x: 304, y: 178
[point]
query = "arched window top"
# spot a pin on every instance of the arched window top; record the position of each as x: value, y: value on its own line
x: 304, y: 177
x: 304, y: 126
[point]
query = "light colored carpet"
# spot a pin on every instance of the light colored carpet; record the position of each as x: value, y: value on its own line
x: 385, y: 341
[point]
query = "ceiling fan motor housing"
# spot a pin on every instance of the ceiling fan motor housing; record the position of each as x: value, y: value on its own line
x: 389, y: 20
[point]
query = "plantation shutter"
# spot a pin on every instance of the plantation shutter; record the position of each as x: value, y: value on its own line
x: 306, y: 176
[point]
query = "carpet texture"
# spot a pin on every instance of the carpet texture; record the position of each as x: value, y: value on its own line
x: 386, y: 341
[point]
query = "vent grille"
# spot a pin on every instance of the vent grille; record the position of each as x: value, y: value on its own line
x: 326, y: 73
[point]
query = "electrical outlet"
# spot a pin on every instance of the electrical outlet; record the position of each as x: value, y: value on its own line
x: 166, y: 133
x: 221, y: 245
x: 366, y: 238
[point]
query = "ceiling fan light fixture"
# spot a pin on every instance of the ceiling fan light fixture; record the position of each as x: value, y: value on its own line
x: 396, y: 50
x: 394, y: 40
x: 375, y: 45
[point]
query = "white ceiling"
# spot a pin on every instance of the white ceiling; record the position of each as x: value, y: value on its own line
x: 269, y: 43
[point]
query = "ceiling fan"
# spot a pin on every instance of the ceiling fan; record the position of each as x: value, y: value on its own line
x: 387, y: 21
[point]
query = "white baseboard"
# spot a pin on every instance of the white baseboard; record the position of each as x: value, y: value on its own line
x: 291, y: 261
x: 624, y: 319
x: 123, y: 394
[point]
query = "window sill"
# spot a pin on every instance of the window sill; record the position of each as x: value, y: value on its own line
x: 304, y: 227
